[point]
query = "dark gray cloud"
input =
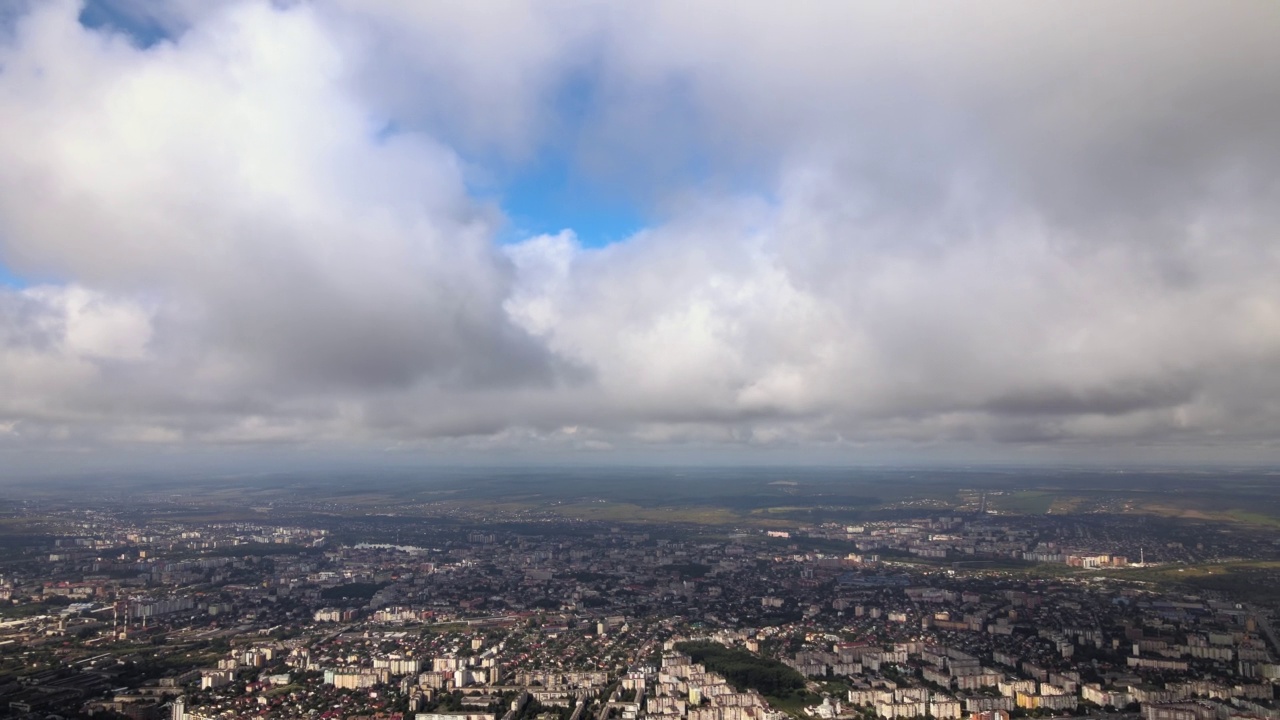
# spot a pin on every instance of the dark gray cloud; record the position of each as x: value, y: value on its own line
x: 1120, y: 400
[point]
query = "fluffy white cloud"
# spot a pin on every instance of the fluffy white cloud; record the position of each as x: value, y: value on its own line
x: 234, y: 176
x: 1034, y: 226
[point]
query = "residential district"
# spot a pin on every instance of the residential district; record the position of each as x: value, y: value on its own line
x: 943, y: 616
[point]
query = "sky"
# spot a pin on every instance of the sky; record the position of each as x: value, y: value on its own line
x: 247, y: 233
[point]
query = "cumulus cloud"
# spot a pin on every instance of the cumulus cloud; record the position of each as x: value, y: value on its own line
x: 231, y: 174
x: 1008, y: 227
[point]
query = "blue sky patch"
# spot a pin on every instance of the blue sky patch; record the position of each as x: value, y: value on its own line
x: 552, y: 196
x: 144, y: 31
x: 554, y: 192
x: 9, y: 279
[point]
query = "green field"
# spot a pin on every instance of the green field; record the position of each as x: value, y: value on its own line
x: 1247, y: 581
x: 1025, y: 502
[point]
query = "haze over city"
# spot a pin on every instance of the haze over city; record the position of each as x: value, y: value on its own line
x: 243, y: 234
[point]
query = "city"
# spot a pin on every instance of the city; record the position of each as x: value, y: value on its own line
x: 477, y: 613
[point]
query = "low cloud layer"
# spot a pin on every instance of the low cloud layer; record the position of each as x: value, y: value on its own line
x: 1015, y: 232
